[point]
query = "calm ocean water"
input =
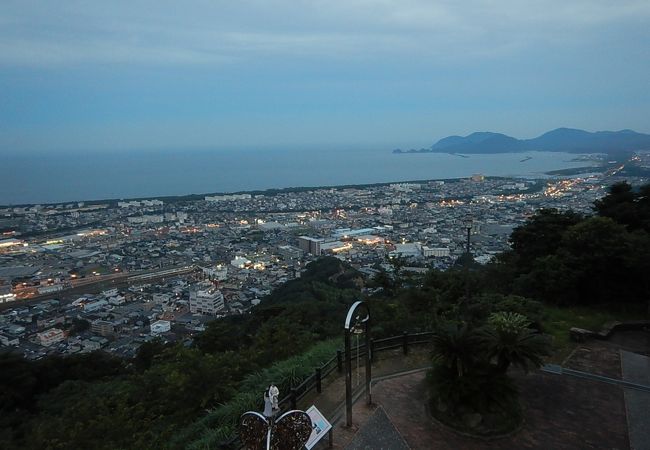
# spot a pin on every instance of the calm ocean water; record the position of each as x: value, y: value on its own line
x: 49, y: 179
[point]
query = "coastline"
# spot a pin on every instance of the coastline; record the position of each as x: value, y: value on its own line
x: 191, y: 175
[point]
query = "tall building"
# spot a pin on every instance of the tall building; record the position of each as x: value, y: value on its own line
x: 206, y: 299
x: 309, y: 244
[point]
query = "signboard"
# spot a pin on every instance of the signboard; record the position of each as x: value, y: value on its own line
x: 320, y: 426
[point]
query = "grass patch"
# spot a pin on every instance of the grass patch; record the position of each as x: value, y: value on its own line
x: 220, y: 424
x: 559, y: 320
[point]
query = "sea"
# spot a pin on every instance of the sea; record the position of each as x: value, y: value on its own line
x: 65, y: 177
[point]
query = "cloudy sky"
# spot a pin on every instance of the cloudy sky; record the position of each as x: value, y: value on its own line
x: 120, y: 75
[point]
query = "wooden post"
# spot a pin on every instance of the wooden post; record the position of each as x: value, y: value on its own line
x: 405, y: 342
x: 319, y: 385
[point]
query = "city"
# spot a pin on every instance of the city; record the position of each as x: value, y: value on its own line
x: 78, y: 277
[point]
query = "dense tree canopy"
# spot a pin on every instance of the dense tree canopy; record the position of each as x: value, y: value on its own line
x: 562, y: 258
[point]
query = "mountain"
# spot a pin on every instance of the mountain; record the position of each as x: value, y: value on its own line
x: 579, y: 141
x: 559, y: 140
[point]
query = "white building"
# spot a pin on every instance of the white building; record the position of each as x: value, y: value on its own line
x: 6, y: 294
x: 161, y: 298
x: 334, y: 247
x: 153, y: 202
x: 110, y: 293
x: 218, y: 272
x: 117, y: 300
x: 135, y: 203
x: 50, y: 289
x: 7, y: 243
x: 206, y: 299
x: 240, y: 262
x: 225, y: 198
x: 410, y: 250
x: 95, y: 306
x: 49, y: 337
x: 147, y: 218
x: 160, y: 326
x: 436, y: 252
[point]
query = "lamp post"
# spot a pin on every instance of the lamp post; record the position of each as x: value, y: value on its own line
x: 358, y: 318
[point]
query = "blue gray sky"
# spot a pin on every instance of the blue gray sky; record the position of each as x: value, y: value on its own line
x: 148, y: 74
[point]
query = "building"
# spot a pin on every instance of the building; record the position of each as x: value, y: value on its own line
x: 161, y: 298
x: 309, y: 245
x: 289, y: 252
x: 160, y: 326
x: 206, y: 299
x: 49, y: 337
x: 240, y: 262
x: 8, y: 341
x: 348, y: 232
x: 12, y: 242
x: 147, y: 218
x: 136, y: 204
x: 102, y: 327
x: 49, y: 289
x: 218, y: 272
x: 6, y: 294
x: 225, y: 198
x: 410, y: 250
x: 95, y: 306
x: 334, y: 247
x: 110, y: 293
x: 436, y: 252
x: 369, y: 239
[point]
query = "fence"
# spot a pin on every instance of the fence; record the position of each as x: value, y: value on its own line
x: 336, y: 363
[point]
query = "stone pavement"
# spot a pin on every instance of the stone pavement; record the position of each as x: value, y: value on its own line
x: 378, y: 433
x: 636, y: 368
x: 561, y: 412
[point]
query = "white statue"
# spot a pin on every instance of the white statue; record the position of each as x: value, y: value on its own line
x: 268, y: 405
x: 274, y: 393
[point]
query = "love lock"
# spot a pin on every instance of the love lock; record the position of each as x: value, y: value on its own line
x: 290, y: 431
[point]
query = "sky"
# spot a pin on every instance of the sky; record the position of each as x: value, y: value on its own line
x: 157, y: 74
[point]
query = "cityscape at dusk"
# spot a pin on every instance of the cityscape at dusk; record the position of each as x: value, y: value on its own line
x: 350, y: 225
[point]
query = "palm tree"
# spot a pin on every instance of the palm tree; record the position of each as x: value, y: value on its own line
x: 455, y: 347
x: 509, y: 341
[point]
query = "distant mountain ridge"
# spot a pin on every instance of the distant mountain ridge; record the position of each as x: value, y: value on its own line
x: 567, y: 140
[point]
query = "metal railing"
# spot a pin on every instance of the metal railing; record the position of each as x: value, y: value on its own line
x: 314, y: 382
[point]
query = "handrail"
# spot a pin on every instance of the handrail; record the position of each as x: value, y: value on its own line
x: 310, y: 382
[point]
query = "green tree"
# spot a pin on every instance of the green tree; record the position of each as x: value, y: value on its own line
x: 540, y: 236
x: 620, y: 204
x: 509, y: 341
x: 455, y: 347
